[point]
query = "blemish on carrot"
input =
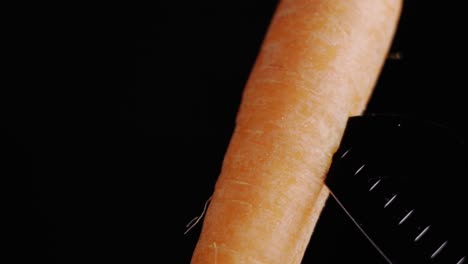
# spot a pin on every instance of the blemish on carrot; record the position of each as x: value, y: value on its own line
x: 255, y: 131
x: 240, y: 202
x: 215, y: 248
x: 238, y: 182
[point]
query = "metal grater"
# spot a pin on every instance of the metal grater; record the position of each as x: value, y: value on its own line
x: 402, y: 181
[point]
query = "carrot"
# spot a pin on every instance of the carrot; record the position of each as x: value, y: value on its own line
x: 317, y: 66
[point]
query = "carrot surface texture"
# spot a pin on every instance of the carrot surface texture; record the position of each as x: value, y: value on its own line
x: 317, y: 66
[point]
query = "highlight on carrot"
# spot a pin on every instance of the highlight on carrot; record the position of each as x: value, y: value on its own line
x: 317, y: 66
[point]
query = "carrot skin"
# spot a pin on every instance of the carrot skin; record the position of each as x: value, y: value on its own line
x: 317, y: 66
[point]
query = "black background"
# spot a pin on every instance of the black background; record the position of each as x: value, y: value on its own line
x: 117, y: 121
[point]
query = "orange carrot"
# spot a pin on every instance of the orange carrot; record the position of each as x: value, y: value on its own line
x: 317, y: 66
